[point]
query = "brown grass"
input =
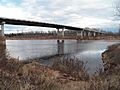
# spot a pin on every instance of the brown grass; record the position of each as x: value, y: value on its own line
x: 15, y: 75
x: 71, y: 66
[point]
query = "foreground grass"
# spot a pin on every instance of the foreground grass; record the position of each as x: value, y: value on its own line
x: 65, y: 74
x: 71, y: 66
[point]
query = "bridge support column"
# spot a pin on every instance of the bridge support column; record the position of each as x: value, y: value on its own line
x: 60, y: 48
x: 58, y: 32
x: 79, y: 35
x: 2, y: 42
x: 94, y: 34
x: 84, y: 34
x: 60, y: 35
x: 2, y: 38
x: 89, y: 33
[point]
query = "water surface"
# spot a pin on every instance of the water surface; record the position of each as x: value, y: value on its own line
x: 88, y: 51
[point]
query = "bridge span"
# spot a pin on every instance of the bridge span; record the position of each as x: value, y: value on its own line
x: 80, y: 32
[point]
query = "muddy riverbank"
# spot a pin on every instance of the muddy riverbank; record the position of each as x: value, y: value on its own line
x: 111, y: 57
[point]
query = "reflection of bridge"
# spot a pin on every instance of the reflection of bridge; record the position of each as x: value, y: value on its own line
x: 80, y: 32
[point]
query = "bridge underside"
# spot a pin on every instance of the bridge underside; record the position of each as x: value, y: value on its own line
x: 35, y: 23
x: 80, y: 32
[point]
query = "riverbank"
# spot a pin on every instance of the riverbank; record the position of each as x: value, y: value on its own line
x: 111, y: 57
x: 15, y: 75
x: 65, y: 37
x: 65, y: 74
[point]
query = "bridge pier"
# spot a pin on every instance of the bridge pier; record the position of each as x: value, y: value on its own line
x: 79, y: 35
x: 94, y: 34
x: 89, y: 33
x: 2, y: 36
x: 60, y: 35
x: 84, y: 34
x: 60, y: 48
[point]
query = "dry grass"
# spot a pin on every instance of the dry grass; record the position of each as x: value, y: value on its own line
x: 112, y: 54
x: 36, y: 77
x: 106, y: 81
x: 71, y: 66
x: 15, y: 75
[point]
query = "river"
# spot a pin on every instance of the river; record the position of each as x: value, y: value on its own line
x: 86, y: 50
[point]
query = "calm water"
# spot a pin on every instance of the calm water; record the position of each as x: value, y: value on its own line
x: 88, y: 51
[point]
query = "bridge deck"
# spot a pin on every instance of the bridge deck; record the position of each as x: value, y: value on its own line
x: 41, y: 24
x: 35, y: 23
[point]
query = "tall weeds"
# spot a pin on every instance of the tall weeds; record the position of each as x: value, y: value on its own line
x: 71, y: 66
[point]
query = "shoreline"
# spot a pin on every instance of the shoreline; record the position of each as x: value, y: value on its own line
x: 111, y: 57
x: 65, y: 38
x: 65, y: 74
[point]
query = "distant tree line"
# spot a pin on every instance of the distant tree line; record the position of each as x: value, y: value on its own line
x: 41, y: 33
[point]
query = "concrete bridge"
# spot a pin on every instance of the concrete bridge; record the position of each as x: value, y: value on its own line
x: 80, y: 32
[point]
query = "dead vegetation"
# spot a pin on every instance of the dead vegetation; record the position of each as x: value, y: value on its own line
x: 65, y: 74
x: 71, y: 66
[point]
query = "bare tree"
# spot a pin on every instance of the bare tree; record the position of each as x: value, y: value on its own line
x: 117, y: 12
x: 117, y: 9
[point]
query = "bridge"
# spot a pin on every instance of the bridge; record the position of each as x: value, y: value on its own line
x: 80, y: 32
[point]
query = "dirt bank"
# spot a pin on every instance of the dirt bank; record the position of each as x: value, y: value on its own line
x: 111, y: 57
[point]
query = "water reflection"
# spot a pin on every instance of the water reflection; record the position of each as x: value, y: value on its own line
x: 93, y: 59
x: 60, y: 48
x: 89, y: 51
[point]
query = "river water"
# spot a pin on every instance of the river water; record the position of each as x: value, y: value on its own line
x: 88, y: 50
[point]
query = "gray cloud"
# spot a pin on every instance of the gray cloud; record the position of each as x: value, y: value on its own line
x: 82, y: 13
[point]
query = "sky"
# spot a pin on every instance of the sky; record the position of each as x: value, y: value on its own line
x: 77, y: 13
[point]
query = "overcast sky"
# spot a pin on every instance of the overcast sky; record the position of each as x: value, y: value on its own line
x: 80, y: 13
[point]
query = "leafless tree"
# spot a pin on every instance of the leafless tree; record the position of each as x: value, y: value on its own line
x: 117, y: 12
x: 117, y: 9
